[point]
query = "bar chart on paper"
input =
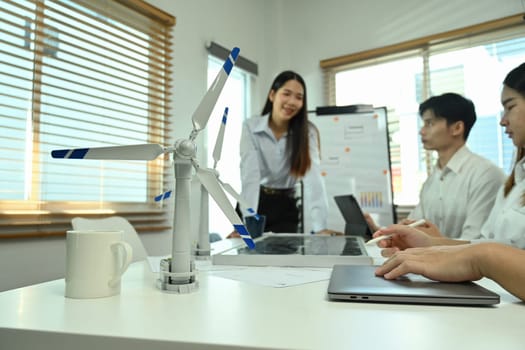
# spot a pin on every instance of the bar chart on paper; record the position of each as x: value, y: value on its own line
x: 371, y: 199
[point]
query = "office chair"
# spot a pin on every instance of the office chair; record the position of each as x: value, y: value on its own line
x: 114, y: 223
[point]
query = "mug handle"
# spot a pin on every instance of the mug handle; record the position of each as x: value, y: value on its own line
x: 127, y: 254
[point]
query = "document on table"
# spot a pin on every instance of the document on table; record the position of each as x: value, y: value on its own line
x: 270, y: 276
x: 277, y: 277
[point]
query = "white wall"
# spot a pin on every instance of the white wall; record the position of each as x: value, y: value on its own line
x: 278, y: 35
x: 246, y: 24
x: 315, y: 30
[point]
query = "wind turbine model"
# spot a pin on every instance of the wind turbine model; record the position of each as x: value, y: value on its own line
x: 203, y: 244
x: 178, y: 273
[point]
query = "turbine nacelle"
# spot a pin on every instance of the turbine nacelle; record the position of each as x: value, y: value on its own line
x: 186, y: 149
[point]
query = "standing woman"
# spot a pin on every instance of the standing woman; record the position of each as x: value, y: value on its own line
x: 278, y: 149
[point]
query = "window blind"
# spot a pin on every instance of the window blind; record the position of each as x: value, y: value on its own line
x: 82, y: 74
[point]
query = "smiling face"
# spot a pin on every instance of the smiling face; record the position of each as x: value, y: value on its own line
x: 513, y: 118
x: 287, y: 101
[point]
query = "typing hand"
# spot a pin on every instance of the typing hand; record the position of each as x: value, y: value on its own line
x: 444, y: 263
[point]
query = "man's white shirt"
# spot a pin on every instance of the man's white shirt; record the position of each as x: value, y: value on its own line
x: 459, y: 197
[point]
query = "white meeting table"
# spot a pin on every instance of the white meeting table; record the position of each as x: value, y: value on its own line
x: 229, y: 314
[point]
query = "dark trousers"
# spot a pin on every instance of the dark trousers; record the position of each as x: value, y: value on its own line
x: 280, y: 209
x: 282, y: 215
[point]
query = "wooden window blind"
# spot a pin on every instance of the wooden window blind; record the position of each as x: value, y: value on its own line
x: 82, y: 74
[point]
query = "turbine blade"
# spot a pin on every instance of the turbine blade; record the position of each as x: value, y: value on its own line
x: 220, y: 137
x: 208, y: 179
x: 148, y: 151
x: 202, y: 113
x: 228, y: 188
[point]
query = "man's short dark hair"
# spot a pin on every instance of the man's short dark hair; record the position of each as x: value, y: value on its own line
x: 453, y: 108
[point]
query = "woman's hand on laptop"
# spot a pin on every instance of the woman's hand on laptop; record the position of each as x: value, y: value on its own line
x: 441, y: 263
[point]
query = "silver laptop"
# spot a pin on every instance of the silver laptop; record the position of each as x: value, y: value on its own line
x: 359, y: 283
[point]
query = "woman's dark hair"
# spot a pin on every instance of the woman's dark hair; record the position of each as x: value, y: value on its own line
x: 516, y: 81
x: 297, y: 144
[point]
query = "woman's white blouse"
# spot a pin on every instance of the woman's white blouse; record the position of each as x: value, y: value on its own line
x: 506, y: 222
x: 264, y: 162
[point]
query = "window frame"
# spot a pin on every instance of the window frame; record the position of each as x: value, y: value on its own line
x: 423, y: 48
x: 35, y: 217
x: 248, y: 70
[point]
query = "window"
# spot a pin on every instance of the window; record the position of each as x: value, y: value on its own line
x: 236, y: 96
x: 80, y: 74
x: 472, y: 66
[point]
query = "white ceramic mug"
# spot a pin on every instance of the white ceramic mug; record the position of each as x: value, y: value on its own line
x: 95, y: 262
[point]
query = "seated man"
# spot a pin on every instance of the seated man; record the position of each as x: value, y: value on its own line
x: 461, y: 190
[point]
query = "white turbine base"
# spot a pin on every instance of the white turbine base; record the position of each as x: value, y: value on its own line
x: 167, y: 284
x: 202, y: 254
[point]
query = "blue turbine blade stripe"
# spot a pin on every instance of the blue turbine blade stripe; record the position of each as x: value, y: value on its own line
x: 245, y: 235
x: 225, y: 115
x: 249, y: 242
x: 228, y: 64
x: 235, y: 53
x: 79, y: 153
x: 60, y: 153
x: 163, y: 196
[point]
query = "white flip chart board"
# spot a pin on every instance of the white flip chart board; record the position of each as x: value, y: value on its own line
x: 355, y: 159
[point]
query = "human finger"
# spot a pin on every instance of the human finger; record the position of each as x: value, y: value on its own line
x: 388, y: 252
x: 399, y: 265
x: 382, y: 231
x: 430, y: 229
x: 405, y: 222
